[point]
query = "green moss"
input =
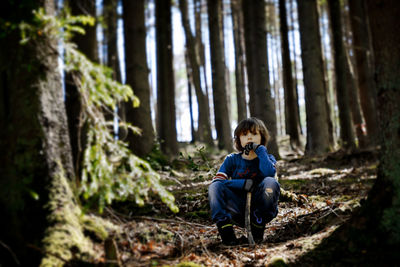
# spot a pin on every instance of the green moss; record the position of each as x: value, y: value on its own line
x: 293, y: 184
x: 64, y: 239
x: 99, y: 226
x: 277, y: 262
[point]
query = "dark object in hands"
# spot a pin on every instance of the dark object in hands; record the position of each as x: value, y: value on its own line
x: 248, y: 185
x: 250, y: 146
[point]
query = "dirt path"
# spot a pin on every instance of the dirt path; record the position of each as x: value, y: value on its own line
x: 327, y: 191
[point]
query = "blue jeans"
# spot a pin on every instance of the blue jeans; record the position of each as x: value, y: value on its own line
x: 228, y: 201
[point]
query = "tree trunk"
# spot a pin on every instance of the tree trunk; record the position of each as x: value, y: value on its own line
x: 342, y: 95
x: 204, y: 125
x: 189, y: 83
x: 37, y: 171
x: 137, y: 76
x: 355, y: 104
x: 222, y: 122
x: 111, y: 19
x: 87, y: 44
x: 112, y: 61
x: 261, y: 103
x: 327, y: 53
x: 351, y: 76
x: 291, y: 101
x: 315, y: 88
x: 238, y: 38
x: 294, y: 45
x: 166, y: 117
x: 363, y: 54
x: 200, y: 47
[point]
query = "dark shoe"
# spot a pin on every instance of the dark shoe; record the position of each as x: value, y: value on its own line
x: 258, y: 232
x: 225, y: 229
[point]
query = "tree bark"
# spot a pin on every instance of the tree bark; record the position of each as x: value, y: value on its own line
x: 137, y: 76
x: 363, y: 55
x: 295, y: 79
x: 313, y: 71
x: 111, y: 19
x: 221, y: 115
x: 166, y: 116
x: 204, y: 125
x: 342, y: 95
x: 112, y: 61
x: 37, y: 170
x: 355, y: 104
x: 354, y: 96
x: 238, y: 38
x: 261, y: 103
x: 291, y: 101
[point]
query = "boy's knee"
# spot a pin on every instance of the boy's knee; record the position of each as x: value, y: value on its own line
x: 271, y: 187
x: 215, y: 188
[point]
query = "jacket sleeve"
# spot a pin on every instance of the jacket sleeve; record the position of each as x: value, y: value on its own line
x: 267, y: 162
x: 226, y: 169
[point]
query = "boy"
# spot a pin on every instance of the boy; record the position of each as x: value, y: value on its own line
x: 250, y: 170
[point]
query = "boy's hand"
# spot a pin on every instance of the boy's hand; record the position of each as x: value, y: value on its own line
x: 248, y: 185
x: 250, y: 146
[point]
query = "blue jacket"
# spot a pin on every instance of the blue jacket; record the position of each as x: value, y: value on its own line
x: 235, y: 169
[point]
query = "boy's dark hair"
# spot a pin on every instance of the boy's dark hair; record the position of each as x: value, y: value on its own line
x: 250, y: 124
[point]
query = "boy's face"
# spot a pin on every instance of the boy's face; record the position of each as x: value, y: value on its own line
x: 249, y: 137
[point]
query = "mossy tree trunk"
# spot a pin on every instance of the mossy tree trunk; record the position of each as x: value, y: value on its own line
x: 37, y: 171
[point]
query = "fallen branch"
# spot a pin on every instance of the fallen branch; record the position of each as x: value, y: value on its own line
x: 181, y: 221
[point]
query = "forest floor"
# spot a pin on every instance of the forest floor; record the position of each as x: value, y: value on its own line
x: 326, y: 191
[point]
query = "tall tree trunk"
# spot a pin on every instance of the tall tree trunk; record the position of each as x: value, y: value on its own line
x: 189, y: 83
x: 200, y: 47
x: 221, y: 115
x: 346, y: 125
x: 351, y: 76
x: 204, y: 125
x: 238, y: 38
x: 291, y: 101
x: 313, y: 72
x: 261, y: 103
x: 112, y: 61
x: 111, y: 19
x: 87, y: 44
x: 355, y: 104
x: 322, y: 8
x: 294, y: 45
x: 137, y: 76
x: 37, y: 170
x: 166, y: 116
x: 363, y: 54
